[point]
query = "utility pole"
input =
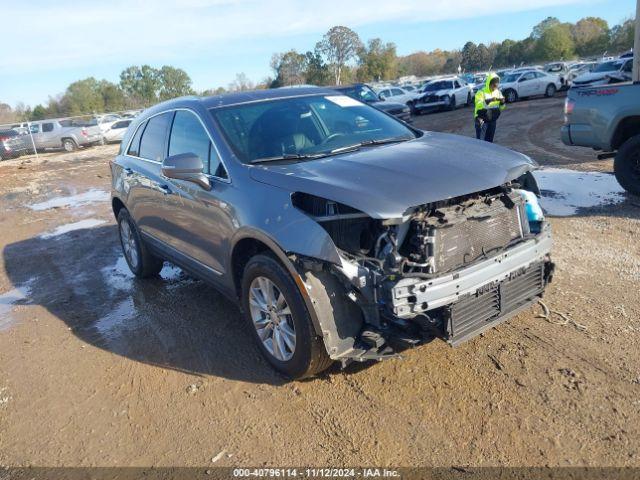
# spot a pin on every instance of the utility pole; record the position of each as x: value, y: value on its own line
x: 636, y: 46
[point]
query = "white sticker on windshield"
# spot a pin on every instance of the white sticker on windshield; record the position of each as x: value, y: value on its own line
x: 344, y: 101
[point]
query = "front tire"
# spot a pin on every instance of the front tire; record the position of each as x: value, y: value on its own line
x: 452, y: 103
x: 626, y: 165
x: 550, y: 91
x: 277, y: 315
x: 511, y: 96
x: 142, y: 263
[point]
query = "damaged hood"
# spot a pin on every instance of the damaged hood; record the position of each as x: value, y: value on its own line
x: 386, y: 181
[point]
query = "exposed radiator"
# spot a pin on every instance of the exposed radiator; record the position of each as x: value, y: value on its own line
x: 463, y: 242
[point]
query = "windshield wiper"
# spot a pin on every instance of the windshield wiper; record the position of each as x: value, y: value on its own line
x: 366, y: 143
x: 286, y: 156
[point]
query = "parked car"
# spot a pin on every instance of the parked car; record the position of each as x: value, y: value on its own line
x: 12, y: 144
x: 605, y: 118
x: 561, y: 70
x: 601, y: 73
x: 340, y: 230
x: 396, y: 94
x: 117, y: 131
x: 65, y: 134
x: 529, y: 83
x: 445, y: 93
x: 364, y: 93
x: 579, y: 68
x: 106, y: 121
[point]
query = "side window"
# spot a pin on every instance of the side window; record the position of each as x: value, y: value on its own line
x: 134, y: 148
x: 397, y: 91
x: 35, y: 128
x: 628, y: 67
x: 47, y: 127
x: 152, y: 143
x: 189, y: 136
x: 456, y: 84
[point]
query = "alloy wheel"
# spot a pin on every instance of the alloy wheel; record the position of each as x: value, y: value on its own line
x: 129, y: 245
x: 272, y: 318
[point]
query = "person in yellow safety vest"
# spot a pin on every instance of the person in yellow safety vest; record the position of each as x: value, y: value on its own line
x: 489, y: 102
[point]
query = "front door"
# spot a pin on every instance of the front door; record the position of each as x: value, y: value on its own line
x: 198, y: 222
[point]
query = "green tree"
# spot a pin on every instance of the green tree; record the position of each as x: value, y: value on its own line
x: 140, y: 85
x: 339, y: 46
x: 173, y: 82
x: 621, y: 37
x: 112, y: 96
x: 378, y: 61
x: 38, y: 113
x: 82, y: 96
x: 591, y: 36
x: 504, y: 54
x: 470, y: 57
x: 317, y: 71
x: 543, y: 26
x: 290, y: 68
x: 556, y: 43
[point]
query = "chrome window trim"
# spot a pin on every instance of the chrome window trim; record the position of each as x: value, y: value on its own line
x: 126, y: 150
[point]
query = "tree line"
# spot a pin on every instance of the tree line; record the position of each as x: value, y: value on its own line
x: 339, y: 57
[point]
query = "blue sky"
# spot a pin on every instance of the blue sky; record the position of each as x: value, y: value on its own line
x: 214, y: 39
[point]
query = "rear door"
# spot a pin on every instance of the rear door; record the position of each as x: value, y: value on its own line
x: 141, y: 176
x: 198, y: 223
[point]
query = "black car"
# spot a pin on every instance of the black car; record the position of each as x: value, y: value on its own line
x: 364, y: 93
x: 12, y: 144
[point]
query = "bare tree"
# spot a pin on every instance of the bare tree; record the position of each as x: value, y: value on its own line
x: 339, y: 45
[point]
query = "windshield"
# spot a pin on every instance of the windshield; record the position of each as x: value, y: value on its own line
x: 440, y: 85
x: 305, y: 127
x: 608, y: 66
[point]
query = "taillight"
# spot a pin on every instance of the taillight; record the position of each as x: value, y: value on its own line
x: 568, y: 106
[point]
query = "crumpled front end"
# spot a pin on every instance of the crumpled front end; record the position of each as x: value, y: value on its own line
x: 449, y: 269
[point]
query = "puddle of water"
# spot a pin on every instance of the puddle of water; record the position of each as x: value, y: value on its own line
x: 70, y: 227
x: 118, y: 319
x: 565, y: 192
x: 73, y: 201
x: 8, y: 300
x: 119, y: 277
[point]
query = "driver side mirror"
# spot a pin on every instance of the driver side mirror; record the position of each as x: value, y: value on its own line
x: 522, y: 80
x: 381, y: 96
x: 187, y: 167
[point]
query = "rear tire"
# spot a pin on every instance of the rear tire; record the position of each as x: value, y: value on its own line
x: 511, y: 96
x: 264, y: 283
x: 69, y: 145
x: 142, y: 263
x: 626, y: 165
x: 550, y: 91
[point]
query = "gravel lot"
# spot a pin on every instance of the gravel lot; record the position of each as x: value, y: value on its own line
x: 100, y: 369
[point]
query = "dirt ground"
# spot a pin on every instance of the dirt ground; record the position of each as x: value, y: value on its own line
x: 100, y: 369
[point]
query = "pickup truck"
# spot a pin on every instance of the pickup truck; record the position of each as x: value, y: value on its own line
x: 607, y: 118
x: 64, y: 134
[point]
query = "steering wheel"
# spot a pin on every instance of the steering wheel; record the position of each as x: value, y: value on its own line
x: 331, y: 137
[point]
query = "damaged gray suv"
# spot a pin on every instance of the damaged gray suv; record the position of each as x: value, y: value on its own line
x: 344, y: 234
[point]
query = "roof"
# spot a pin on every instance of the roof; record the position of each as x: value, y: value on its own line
x: 262, y: 95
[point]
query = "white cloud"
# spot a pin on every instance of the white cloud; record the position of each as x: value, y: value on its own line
x: 52, y: 35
